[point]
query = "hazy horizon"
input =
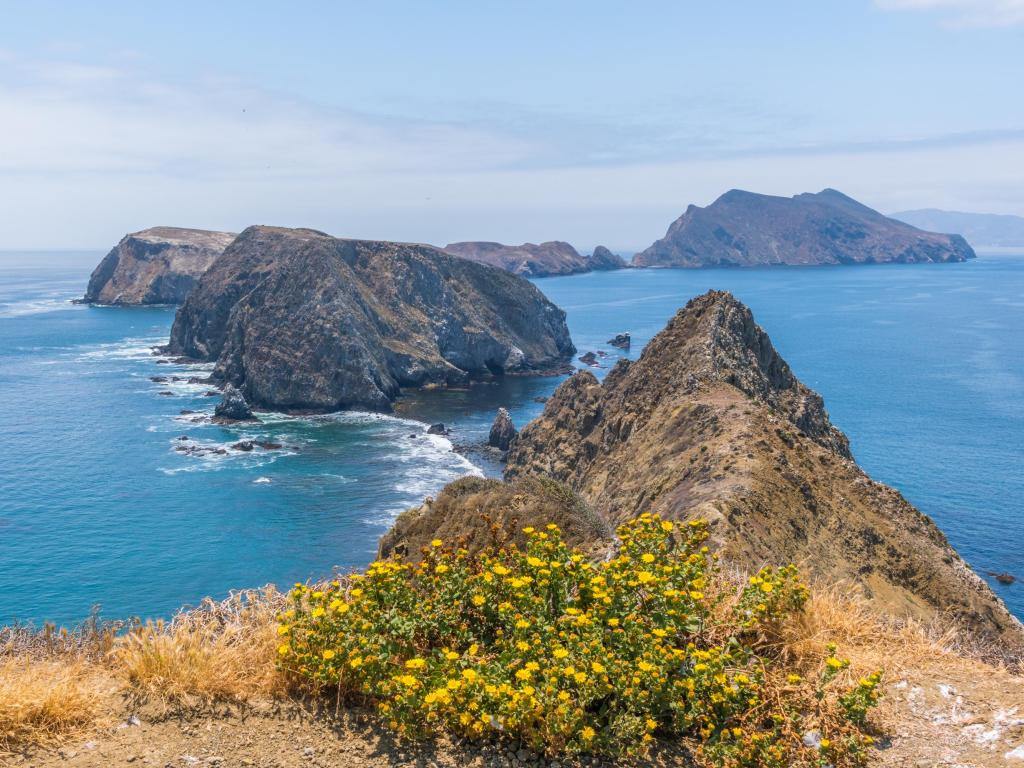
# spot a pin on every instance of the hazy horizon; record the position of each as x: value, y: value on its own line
x: 591, y: 123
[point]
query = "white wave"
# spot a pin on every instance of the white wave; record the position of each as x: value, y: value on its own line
x: 212, y: 456
x: 261, y: 480
x: 125, y: 349
x: 37, y: 306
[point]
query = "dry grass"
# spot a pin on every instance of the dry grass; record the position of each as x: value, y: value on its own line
x: 45, y: 700
x: 217, y: 652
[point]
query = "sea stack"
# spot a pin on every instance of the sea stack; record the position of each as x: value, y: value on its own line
x: 300, y: 320
x: 603, y: 259
x: 745, y: 229
x: 711, y: 423
x: 155, y: 266
x: 503, y: 431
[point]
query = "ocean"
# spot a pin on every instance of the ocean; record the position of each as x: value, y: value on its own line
x: 921, y: 365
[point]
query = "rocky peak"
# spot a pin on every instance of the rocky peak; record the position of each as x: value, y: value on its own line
x: 604, y: 259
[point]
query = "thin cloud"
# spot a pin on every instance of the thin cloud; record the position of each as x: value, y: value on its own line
x: 964, y: 13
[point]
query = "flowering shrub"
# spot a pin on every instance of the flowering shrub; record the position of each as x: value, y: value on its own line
x: 574, y: 656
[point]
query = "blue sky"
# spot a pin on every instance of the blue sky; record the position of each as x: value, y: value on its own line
x: 593, y: 122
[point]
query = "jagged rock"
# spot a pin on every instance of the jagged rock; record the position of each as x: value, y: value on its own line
x: 620, y: 340
x: 503, y: 431
x: 244, y: 445
x: 437, y: 429
x: 299, y: 320
x: 1003, y: 577
x: 233, y: 406
x: 589, y: 358
x: 602, y: 260
x: 155, y: 266
x: 268, y: 445
x: 711, y: 423
x: 744, y: 229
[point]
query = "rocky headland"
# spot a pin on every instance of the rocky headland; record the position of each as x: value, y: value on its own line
x: 299, y: 320
x: 745, y: 229
x: 532, y: 260
x: 711, y: 423
x: 155, y: 266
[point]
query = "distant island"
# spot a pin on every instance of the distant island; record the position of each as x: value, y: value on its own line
x: 980, y: 229
x: 746, y: 229
x: 159, y: 265
x: 532, y: 260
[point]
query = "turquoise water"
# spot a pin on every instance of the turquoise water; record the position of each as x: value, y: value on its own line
x: 922, y: 366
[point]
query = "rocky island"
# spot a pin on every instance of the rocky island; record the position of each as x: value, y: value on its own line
x: 745, y: 229
x: 299, y: 320
x: 155, y: 266
x: 532, y: 260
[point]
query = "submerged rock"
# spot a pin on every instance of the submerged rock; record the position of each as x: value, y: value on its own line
x: 155, y: 266
x: 589, y: 358
x: 299, y: 320
x: 503, y: 431
x: 233, y: 406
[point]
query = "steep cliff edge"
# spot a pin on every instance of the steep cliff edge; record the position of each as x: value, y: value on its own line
x: 533, y: 260
x: 155, y: 266
x: 300, y: 320
x: 744, y: 229
x: 711, y: 423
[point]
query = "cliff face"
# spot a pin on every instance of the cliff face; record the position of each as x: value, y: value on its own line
x: 744, y: 229
x: 297, y: 319
x: 710, y: 422
x: 531, y: 260
x: 155, y: 266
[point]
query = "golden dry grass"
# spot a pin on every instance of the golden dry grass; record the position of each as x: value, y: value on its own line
x: 220, y: 651
x: 44, y: 700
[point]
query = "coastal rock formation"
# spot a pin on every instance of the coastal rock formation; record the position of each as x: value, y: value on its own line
x: 233, y: 406
x: 621, y: 340
x: 711, y: 423
x: 503, y: 431
x: 300, y: 320
x: 603, y: 259
x: 155, y: 266
x: 476, y: 513
x: 744, y: 229
x: 531, y: 260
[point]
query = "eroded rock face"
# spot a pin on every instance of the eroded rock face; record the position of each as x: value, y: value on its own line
x: 711, y: 423
x: 155, y: 266
x: 300, y: 320
x: 527, y: 260
x: 744, y: 229
x: 503, y: 431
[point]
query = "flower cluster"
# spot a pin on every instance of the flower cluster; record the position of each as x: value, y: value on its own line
x: 563, y: 653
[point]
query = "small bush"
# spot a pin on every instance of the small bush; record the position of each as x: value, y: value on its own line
x: 572, y: 656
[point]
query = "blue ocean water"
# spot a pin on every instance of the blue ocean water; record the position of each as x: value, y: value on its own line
x: 922, y: 366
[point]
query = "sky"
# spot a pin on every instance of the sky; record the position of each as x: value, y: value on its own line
x: 594, y: 122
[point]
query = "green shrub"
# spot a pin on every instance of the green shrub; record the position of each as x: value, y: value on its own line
x: 573, y: 656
